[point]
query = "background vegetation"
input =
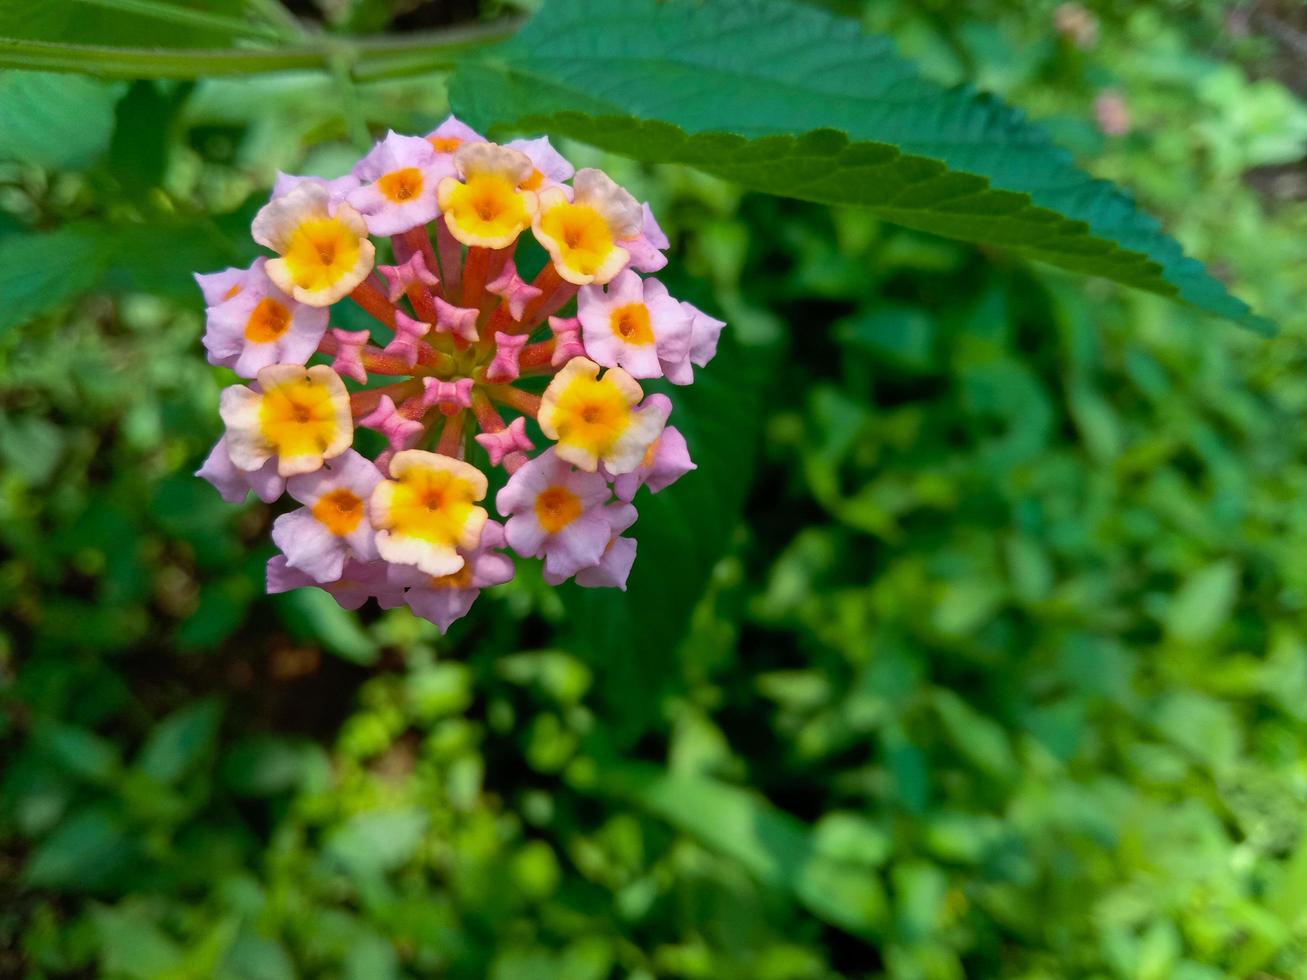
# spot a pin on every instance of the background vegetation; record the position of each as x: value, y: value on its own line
x: 1001, y: 670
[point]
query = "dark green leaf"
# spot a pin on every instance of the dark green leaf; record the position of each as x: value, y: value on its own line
x: 787, y: 99
x: 180, y: 741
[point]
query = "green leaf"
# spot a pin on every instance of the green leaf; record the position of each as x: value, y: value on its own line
x: 39, y: 272
x: 312, y: 614
x: 776, y: 848
x: 55, y: 121
x: 791, y: 100
x: 84, y: 853
x: 175, y: 23
x: 180, y: 741
x: 1203, y: 604
x: 632, y: 636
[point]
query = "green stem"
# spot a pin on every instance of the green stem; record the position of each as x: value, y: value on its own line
x: 187, y: 17
x: 367, y: 58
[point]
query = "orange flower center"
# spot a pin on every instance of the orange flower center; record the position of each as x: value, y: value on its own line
x: 401, y: 185
x: 340, y: 510
x: 556, y: 508
x: 267, y: 322
x: 631, y: 323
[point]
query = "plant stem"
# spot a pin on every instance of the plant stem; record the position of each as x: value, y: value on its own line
x: 366, y: 58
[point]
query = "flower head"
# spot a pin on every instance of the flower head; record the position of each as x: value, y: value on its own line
x: 323, y: 251
x: 301, y: 416
x: 485, y: 205
x: 633, y: 324
x: 473, y: 330
x: 260, y: 325
x: 582, y: 233
x: 427, y: 511
x: 442, y: 599
x: 595, y: 419
x: 332, y: 525
x: 555, y: 512
x: 452, y: 134
x: 400, y: 177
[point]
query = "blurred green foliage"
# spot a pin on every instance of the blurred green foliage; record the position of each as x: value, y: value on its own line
x: 1000, y: 671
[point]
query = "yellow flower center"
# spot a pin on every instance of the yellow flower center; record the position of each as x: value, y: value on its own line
x: 299, y: 418
x: 556, y: 508
x: 631, y: 323
x: 445, y: 144
x: 340, y: 510
x: 487, y: 206
x: 321, y: 251
x: 232, y: 292
x: 592, y: 413
x: 433, y: 505
x: 267, y: 322
x: 533, y: 182
x: 582, y: 233
x: 401, y: 185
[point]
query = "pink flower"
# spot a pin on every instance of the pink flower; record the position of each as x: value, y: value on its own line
x: 260, y: 325
x: 413, y: 272
x: 359, y: 582
x: 705, y: 331
x: 233, y: 484
x: 508, y: 348
x: 551, y: 169
x: 332, y: 525
x: 555, y: 512
x: 218, y: 287
x: 408, y: 334
x: 446, y: 138
x: 457, y: 320
x: 451, y: 397
x: 665, y: 462
x: 336, y: 188
x: 400, y: 177
x: 508, y: 440
x: 349, y: 348
x: 446, y: 598
x: 515, y: 291
x: 614, y: 565
x: 400, y: 430
x: 567, y: 340
x: 633, y: 324
x: 646, y: 247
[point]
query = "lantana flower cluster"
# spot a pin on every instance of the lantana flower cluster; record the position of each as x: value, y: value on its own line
x: 440, y: 376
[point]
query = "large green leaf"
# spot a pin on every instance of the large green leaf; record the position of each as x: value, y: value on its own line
x: 791, y: 100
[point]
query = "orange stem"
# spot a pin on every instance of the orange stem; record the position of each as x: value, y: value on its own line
x: 451, y: 439
x: 369, y: 296
x: 515, y: 398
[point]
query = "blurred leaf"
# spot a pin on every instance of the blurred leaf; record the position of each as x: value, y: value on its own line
x: 39, y: 272
x: 377, y: 841
x: 180, y: 741
x: 773, y: 846
x: 138, y: 23
x: 1202, y: 604
x: 84, y: 853
x: 790, y: 100
x: 312, y: 614
x: 142, y: 135
x: 55, y: 121
x: 902, y: 335
x: 131, y: 945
